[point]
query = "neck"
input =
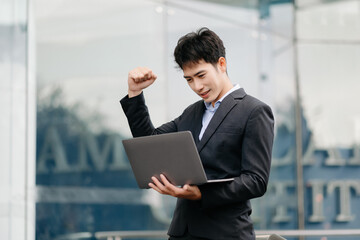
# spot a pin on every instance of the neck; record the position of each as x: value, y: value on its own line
x: 227, y: 86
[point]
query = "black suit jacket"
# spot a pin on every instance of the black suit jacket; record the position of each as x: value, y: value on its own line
x: 237, y: 143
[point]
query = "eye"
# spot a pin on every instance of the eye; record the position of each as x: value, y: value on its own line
x: 202, y: 76
x: 188, y: 79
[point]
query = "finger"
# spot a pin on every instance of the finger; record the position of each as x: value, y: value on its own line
x: 154, y: 76
x: 151, y: 75
x: 140, y: 75
x: 156, y: 181
x: 155, y: 187
x: 164, y: 179
x: 172, y: 189
x: 167, y: 184
x: 162, y: 188
x: 159, y: 185
x: 137, y: 74
x: 148, y: 73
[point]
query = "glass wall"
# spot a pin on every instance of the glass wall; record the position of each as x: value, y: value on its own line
x: 278, y: 209
x: 329, y: 66
x: 84, y: 51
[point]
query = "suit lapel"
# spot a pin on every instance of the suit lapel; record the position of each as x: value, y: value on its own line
x: 225, y: 107
x: 197, y: 121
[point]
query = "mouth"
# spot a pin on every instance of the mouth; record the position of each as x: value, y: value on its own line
x: 204, y: 94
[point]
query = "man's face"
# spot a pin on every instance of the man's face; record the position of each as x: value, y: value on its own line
x: 206, y: 80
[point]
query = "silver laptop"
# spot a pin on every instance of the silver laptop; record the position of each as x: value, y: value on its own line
x: 172, y: 154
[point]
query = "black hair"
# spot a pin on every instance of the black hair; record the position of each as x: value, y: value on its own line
x: 203, y: 44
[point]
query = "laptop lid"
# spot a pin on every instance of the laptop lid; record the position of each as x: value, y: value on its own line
x: 172, y: 154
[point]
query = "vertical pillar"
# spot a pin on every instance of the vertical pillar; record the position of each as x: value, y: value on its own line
x: 17, y: 127
x: 298, y: 123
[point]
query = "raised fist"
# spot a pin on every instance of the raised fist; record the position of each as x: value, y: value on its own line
x: 139, y: 79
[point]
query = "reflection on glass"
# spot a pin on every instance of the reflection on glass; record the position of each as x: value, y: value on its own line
x: 328, y: 64
x: 84, y: 183
x: 331, y: 20
x: 329, y: 93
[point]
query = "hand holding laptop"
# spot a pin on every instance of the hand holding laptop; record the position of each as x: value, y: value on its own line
x: 190, y: 192
x: 173, y: 155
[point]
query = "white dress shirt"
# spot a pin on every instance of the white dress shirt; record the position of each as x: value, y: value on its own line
x: 210, y: 110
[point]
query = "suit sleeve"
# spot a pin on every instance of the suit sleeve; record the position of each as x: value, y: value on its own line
x: 255, y: 163
x: 139, y: 120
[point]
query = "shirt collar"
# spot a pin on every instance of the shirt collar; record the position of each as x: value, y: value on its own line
x: 210, y: 107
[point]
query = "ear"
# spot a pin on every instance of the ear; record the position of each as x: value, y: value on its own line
x: 222, y: 64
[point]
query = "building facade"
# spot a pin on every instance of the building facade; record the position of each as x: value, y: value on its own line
x: 63, y: 70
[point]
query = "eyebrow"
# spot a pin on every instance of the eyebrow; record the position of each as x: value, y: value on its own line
x: 196, y: 74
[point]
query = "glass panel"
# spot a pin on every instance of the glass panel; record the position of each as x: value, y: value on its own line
x: 329, y: 21
x: 260, y: 59
x: 16, y: 160
x: 329, y: 84
x: 329, y: 87
x: 84, y: 52
x: 277, y: 209
x: 83, y: 179
x: 237, y: 27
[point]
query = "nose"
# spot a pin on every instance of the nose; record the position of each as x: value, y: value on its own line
x: 198, y: 86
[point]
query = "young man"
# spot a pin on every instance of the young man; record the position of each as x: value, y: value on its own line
x: 233, y: 133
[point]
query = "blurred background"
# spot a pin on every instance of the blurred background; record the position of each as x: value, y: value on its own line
x: 63, y: 70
